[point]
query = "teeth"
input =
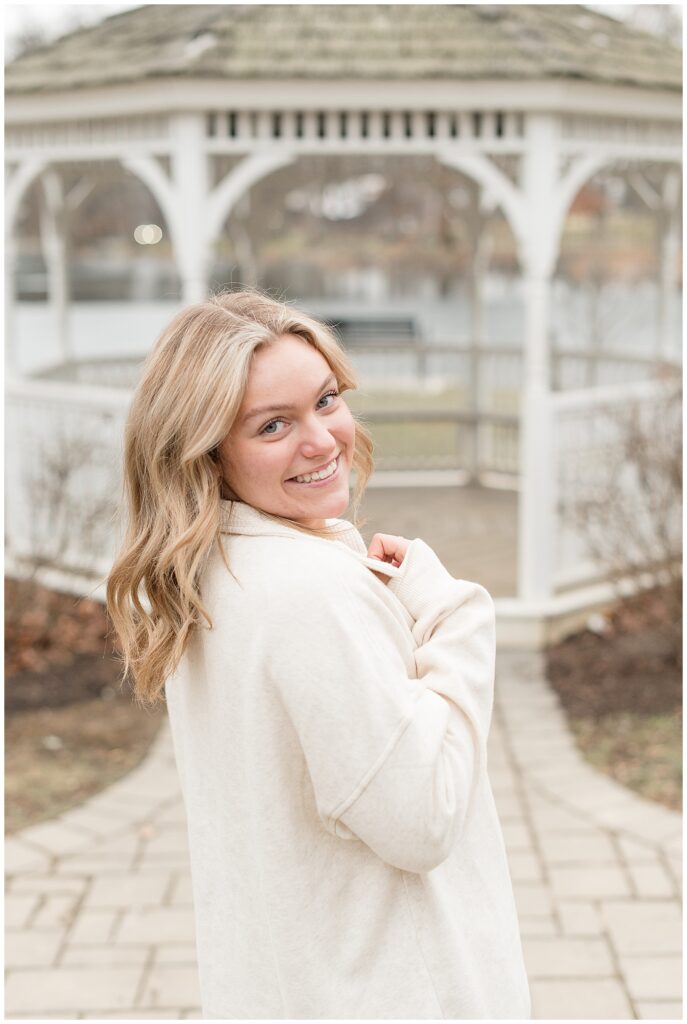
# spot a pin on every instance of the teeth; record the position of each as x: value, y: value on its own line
x: 322, y: 475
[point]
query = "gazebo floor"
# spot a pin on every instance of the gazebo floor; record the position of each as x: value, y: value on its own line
x: 472, y: 529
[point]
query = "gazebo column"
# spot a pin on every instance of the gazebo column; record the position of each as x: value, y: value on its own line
x: 668, y: 248
x: 538, y: 245
x: 11, y: 362
x: 52, y: 226
x: 191, y: 178
x: 18, y: 178
x: 478, y: 262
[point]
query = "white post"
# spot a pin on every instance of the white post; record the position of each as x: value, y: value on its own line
x: 668, y: 248
x: 190, y: 173
x: 538, y: 244
x: 11, y: 362
x: 480, y: 246
x: 52, y: 217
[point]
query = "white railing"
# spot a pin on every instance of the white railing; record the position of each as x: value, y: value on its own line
x: 63, y: 475
x: 589, y: 432
x: 64, y: 440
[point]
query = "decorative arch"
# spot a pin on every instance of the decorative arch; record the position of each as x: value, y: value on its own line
x: 482, y: 170
x: 237, y: 182
x: 148, y: 170
x: 20, y: 182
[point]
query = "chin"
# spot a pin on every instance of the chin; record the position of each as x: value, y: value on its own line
x: 330, y: 507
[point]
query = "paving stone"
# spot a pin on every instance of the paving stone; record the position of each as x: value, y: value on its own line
x: 598, y: 880
x: 509, y: 813
x: 168, y: 838
x: 537, y: 926
x: 56, y: 912
x: 157, y: 925
x: 155, y: 786
x: 646, y: 926
x: 96, y: 819
x: 92, y: 926
x: 177, y: 1014
x: 137, y: 788
x: 176, y: 953
x: 590, y: 789
x: 591, y: 846
x: 21, y: 857
x: 171, y: 984
x: 87, y: 956
x: 675, y: 865
x: 588, y: 999
x: 653, y: 977
x: 182, y: 894
x: 517, y: 835
x: 554, y: 761
x: 27, y: 948
x: 674, y: 846
x: 566, y: 957
x: 116, y: 848
x: 45, y: 1015
x: 642, y: 819
x: 127, y: 890
x: 37, y: 884
x: 56, y: 838
x: 651, y: 880
x: 72, y: 988
x: 635, y: 849
x: 175, y: 815
x: 532, y: 898
x: 550, y: 817
x: 18, y: 908
x: 579, y: 917
x: 659, y: 1010
x: 524, y: 866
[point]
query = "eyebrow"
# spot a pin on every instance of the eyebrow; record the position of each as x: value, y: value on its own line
x: 282, y: 408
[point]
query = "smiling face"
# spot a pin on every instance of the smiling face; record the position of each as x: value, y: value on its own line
x: 305, y: 428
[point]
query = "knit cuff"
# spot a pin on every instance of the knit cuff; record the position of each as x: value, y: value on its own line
x: 420, y: 579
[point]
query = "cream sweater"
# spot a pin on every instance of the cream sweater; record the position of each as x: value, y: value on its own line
x: 330, y: 733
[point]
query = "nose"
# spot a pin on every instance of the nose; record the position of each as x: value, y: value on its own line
x: 317, y: 440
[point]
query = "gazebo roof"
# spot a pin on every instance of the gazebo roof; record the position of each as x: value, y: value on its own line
x: 521, y: 42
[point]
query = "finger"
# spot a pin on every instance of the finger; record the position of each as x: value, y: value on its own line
x: 379, y: 547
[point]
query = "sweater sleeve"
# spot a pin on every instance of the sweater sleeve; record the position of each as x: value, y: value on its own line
x: 393, y: 760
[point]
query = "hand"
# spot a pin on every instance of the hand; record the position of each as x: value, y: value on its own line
x: 387, y: 548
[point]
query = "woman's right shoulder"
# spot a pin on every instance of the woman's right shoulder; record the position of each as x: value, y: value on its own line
x: 269, y: 568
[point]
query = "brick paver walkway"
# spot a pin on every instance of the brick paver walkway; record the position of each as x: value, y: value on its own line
x: 100, y: 923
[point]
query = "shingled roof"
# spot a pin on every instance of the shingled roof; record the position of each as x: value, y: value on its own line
x: 384, y: 41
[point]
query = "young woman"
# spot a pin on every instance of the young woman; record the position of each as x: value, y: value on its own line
x: 329, y: 703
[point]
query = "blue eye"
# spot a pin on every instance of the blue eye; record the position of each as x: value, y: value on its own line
x: 270, y: 424
x: 334, y: 394
x: 271, y: 433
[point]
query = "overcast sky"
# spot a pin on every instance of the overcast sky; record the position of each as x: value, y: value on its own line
x: 61, y: 18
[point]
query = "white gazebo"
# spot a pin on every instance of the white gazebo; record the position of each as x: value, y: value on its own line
x: 168, y: 90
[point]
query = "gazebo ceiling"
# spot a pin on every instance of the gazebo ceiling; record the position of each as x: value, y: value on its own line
x: 524, y: 42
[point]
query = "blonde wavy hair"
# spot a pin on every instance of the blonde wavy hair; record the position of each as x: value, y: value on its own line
x: 187, y: 399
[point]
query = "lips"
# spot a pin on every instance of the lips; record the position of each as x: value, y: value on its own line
x: 317, y: 469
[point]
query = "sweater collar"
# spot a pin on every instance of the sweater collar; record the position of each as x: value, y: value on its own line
x: 239, y: 517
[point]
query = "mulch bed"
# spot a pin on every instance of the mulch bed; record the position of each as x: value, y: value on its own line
x: 621, y: 687
x: 71, y: 725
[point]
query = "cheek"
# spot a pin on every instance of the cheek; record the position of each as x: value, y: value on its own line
x: 345, y: 427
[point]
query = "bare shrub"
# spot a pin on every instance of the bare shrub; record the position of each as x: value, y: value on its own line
x: 628, y: 509
x: 68, y: 505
